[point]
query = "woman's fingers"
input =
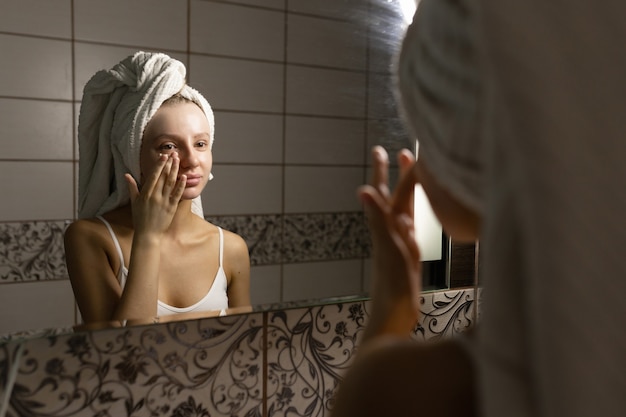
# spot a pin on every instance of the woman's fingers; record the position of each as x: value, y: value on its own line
x: 406, y: 230
x: 174, y: 186
x: 402, y: 200
x: 375, y: 208
x: 177, y: 192
x: 164, y: 179
x: 169, y: 175
x: 394, y: 244
x: 380, y: 171
x: 153, y: 178
x: 133, y: 188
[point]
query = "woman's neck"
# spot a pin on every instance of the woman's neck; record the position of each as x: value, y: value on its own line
x: 182, y: 223
x: 183, y: 219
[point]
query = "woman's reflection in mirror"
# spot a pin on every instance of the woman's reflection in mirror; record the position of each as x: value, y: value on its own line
x: 141, y: 247
x: 519, y: 110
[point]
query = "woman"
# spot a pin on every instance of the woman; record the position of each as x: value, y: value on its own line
x: 523, y: 155
x: 141, y: 247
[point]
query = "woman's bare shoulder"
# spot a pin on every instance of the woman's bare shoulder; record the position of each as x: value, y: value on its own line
x: 84, y: 229
x: 87, y: 236
x: 95, y: 228
x: 234, y: 241
x: 236, y: 252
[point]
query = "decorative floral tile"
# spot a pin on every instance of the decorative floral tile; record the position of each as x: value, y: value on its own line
x: 262, y: 233
x: 445, y: 314
x: 275, y: 239
x: 325, y: 236
x: 9, y: 351
x: 269, y: 363
x: 192, y: 368
x: 32, y: 251
x: 307, y: 352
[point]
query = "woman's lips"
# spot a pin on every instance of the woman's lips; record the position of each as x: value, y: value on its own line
x: 193, y: 180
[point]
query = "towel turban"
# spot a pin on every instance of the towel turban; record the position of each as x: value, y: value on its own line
x: 440, y: 87
x: 116, y: 106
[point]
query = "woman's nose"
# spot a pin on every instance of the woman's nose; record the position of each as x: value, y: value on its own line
x: 188, y: 158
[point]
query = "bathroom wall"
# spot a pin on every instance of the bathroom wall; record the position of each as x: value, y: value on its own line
x: 298, y: 91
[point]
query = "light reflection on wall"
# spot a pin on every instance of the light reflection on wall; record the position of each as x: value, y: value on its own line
x: 408, y: 8
x: 428, y: 229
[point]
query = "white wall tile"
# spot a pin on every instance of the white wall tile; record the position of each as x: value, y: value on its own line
x: 392, y: 134
x: 249, y: 138
x: 332, y: 43
x: 141, y: 23
x: 37, y: 190
x: 265, y: 284
x: 325, y: 92
x: 274, y: 4
x: 36, y: 68
x: 232, y: 84
x: 394, y: 173
x: 321, y: 280
x: 90, y: 58
x: 36, y: 305
x: 37, y: 17
x: 382, y: 102
x: 315, y: 140
x: 322, y: 189
x: 354, y: 9
x: 36, y: 129
x: 384, y: 45
x: 242, y: 189
x: 233, y: 30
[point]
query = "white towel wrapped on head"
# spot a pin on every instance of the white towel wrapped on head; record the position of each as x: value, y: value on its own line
x: 116, y: 106
x: 440, y: 87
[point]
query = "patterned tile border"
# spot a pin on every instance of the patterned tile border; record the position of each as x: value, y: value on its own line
x: 193, y: 368
x: 271, y: 363
x: 33, y: 251
x: 291, y: 238
x: 445, y: 314
x: 330, y: 236
x: 262, y: 233
x: 309, y: 349
x: 307, y: 352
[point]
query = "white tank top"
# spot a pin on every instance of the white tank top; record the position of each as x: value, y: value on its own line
x: 215, y: 299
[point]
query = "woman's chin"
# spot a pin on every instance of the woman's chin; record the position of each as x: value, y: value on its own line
x: 190, y: 194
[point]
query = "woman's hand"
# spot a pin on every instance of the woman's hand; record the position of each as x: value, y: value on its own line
x: 155, y: 205
x: 396, y: 263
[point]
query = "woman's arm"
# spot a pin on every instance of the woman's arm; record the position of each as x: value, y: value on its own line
x: 396, y: 269
x: 237, y: 268
x: 153, y: 209
x: 96, y: 289
x: 393, y: 375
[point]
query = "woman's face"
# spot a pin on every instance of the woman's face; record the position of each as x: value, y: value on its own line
x: 182, y: 128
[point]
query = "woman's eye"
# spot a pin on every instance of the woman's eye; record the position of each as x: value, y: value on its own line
x: 202, y: 144
x: 167, y: 147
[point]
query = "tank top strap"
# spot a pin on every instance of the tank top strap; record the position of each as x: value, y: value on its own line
x: 115, y: 241
x: 221, y: 245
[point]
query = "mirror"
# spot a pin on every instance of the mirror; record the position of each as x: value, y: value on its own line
x: 298, y: 105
